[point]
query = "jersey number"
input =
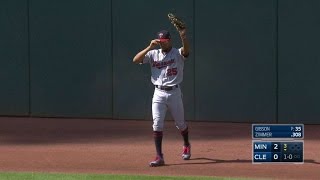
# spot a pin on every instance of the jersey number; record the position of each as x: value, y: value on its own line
x: 172, y: 72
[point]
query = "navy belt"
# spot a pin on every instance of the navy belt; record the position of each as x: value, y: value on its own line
x: 166, y: 88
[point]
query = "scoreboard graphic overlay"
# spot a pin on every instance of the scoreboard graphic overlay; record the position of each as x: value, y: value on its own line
x: 277, y: 143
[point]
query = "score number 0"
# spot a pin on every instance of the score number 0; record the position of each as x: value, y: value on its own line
x: 275, y: 147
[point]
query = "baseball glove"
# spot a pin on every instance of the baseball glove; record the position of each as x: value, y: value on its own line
x: 177, y: 22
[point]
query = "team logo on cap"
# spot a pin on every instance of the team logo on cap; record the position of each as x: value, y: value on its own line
x: 160, y: 35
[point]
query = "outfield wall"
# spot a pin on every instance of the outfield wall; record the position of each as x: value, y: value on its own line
x: 251, y: 61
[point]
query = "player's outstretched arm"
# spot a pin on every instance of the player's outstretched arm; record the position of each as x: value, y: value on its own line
x: 140, y: 56
x: 185, y: 43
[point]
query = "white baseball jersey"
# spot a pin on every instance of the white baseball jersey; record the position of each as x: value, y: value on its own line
x: 166, y: 69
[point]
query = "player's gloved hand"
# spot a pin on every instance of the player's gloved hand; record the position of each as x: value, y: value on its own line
x: 176, y: 21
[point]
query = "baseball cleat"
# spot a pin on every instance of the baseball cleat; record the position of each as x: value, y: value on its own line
x: 157, y: 162
x: 186, y: 154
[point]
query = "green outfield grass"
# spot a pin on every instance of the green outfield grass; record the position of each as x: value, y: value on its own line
x: 55, y: 176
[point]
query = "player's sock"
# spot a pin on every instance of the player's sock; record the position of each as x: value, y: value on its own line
x: 157, y: 135
x: 185, y: 135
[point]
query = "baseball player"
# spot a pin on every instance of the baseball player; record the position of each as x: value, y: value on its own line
x: 166, y: 74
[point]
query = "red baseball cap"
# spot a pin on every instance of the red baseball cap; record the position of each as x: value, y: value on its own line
x: 163, y: 35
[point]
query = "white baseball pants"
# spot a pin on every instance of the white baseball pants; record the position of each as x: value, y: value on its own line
x: 162, y: 101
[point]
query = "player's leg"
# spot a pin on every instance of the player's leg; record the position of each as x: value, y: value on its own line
x: 175, y: 105
x: 186, y: 149
x: 159, y: 109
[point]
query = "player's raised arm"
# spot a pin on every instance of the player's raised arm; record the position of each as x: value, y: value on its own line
x: 185, y: 43
x: 181, y: 27
x: 141, y: 55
